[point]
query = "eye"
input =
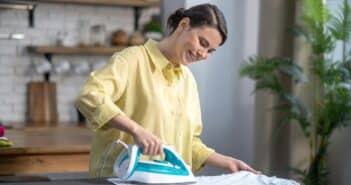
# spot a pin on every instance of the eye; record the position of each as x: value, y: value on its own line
x: 203, y: 42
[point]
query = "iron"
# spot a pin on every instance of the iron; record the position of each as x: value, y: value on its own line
x: 171, y: 170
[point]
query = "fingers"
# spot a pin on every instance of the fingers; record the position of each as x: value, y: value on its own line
x: 232, y: 165
x: 159, y: 148
x: 246, y: 167
x: 233, y: 169
x: 145, y: 147
x: 154, y: 148
x: 151, y: 146
x: 252, y: 170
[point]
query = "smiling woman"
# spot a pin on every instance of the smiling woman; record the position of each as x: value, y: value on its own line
x: 147, y: 95
x: 194, y: 34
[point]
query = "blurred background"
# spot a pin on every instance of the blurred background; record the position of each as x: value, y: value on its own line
x: 48, y: 48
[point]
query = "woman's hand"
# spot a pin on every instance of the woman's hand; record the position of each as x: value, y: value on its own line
x: 230, y: 164
x: 150, y: 144
x: 235, y: 165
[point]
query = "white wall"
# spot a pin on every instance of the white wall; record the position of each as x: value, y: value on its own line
x: 226, y: 100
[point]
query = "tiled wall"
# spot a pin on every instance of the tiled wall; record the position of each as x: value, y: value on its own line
x: 16, y: 63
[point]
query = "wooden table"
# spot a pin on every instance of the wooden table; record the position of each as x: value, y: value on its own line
x: 68, y: 182
x: 46, y: 150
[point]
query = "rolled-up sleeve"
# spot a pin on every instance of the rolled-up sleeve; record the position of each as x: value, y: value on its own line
x: 200, y: 152
x: 96, y: 100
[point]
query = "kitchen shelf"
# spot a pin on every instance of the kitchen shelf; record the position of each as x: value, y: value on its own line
x: 137, y: 5
x: 133, y: 3
x: 18, y: 6
x: 87, y: 50
x: 48, y: 51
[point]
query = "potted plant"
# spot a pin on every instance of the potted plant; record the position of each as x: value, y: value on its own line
x: 322, y: 31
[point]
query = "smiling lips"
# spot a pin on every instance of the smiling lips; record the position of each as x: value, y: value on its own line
x: 190, y: 57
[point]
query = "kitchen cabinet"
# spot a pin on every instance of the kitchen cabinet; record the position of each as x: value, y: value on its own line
x: 46, y: 150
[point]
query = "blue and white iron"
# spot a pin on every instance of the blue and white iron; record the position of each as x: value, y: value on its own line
x: 172, y: 169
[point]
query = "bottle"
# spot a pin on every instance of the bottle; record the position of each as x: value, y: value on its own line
x: 83, y: 32
x: 98, y: 35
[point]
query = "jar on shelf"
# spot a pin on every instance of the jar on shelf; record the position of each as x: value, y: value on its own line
x: 98, y: 35
x: 119, y: 38
x: 83, y: 32
x: 136, y: 39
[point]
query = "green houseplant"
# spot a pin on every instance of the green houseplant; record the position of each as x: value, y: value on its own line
x: 331, y: 77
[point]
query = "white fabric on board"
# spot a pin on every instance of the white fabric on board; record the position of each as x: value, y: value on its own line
x: 239, y: 178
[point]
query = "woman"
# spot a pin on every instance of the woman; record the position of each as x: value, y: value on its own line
x: 146, y: 94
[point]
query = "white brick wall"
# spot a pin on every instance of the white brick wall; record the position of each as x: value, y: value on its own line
x: 16, y: 64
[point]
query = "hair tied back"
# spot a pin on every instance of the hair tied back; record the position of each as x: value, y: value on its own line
x: 175, y: 18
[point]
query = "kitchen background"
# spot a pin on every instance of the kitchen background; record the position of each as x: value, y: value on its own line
x: 228, y: 106
x: 69, y: 22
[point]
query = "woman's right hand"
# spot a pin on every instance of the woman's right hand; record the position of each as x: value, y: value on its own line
x: 150, y: 144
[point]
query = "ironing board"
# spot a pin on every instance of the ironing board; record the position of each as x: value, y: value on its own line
x: 240, y: 178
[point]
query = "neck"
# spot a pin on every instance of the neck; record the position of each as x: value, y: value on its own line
x: 166, y: 46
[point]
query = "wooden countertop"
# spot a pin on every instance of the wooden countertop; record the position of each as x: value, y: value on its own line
x: 48, y: 140
x: 46, y: 150
x: 68, y: 182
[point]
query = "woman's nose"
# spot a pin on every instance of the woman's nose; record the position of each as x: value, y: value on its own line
x: 202, y: 55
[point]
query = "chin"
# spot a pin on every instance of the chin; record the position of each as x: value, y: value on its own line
x: 185, y: 63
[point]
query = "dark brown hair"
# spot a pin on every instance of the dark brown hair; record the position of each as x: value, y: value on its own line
x: 200, y: 15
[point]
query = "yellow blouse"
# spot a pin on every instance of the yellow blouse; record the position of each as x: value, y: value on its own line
x: 139, y: 82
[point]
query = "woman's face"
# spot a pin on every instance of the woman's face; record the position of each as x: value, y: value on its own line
x: 195, y: 44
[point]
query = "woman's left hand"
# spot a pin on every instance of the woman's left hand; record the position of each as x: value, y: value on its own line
x: 235, y: 165
x: 229, y: 163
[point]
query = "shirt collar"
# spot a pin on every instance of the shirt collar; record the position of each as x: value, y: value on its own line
x: 156, y: 56
x: 161, y: 62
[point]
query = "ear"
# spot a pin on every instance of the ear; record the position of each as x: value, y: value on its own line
x: 184, y: 24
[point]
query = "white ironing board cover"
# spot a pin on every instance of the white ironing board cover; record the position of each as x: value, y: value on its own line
x: 239, y: 178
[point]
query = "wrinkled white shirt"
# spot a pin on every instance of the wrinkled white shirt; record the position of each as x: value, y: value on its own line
x: 243, y: 178
x: 239, y: 178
